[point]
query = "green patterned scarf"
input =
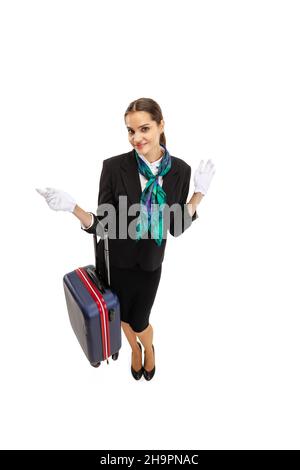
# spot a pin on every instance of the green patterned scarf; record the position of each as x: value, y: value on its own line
x: 153, y: 199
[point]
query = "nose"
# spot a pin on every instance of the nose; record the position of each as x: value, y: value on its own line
x: 137, y: 139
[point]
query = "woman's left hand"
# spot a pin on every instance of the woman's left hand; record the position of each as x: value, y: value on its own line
x: 203, y: 176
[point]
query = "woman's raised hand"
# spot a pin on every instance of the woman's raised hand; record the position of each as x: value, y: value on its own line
x: 203, y: 176
x: 58, y: 200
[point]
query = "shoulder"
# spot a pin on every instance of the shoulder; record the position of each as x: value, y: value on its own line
x: 116, y: 160
x: 181, y: 165
x: 112, y: 164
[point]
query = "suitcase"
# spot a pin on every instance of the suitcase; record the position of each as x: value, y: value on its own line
x: 94, y: 309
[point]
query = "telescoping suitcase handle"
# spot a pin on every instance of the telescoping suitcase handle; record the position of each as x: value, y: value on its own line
x: 106, y: 254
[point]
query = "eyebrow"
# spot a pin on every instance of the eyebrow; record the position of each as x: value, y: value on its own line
x: 147, y: 123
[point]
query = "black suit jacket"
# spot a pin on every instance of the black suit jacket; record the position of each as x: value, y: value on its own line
x: 120, y: 177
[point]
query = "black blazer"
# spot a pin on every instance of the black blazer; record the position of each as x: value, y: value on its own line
x: 120, y: 176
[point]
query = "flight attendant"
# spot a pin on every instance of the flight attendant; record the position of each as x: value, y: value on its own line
x: 150, y: 177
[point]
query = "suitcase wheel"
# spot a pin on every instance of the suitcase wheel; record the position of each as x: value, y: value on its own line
x: 95, y: 364
x: 115, y: 356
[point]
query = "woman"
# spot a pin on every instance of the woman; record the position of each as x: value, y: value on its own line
x: 154, y: 180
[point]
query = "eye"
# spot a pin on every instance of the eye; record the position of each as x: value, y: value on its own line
x: 143, y: 128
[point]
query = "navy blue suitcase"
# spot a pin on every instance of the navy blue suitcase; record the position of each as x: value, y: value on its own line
x: 94, y: 310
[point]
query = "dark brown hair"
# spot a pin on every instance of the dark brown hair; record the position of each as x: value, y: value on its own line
x: 149, y: 106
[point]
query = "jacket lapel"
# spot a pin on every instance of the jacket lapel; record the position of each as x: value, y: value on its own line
x: 131, y: 179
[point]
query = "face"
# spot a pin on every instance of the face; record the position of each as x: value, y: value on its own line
x: 143, y: 132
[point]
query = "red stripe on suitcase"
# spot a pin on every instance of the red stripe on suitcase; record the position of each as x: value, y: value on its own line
x: 102, y: 308
x: 101, y: 304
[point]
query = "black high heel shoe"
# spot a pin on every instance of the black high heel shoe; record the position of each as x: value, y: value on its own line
x: 149, y: 375
x: 137, y: 374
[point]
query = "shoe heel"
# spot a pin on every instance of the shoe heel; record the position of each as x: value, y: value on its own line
x: 137, y: 374
x: 149, y: 375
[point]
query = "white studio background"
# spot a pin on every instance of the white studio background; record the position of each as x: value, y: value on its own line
x: 226, y: 316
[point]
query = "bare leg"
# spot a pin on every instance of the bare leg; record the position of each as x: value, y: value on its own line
x: 136, y: 352
x: 146, y: 338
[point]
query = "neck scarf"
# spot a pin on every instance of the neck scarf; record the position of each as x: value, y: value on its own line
x: 153, y: 198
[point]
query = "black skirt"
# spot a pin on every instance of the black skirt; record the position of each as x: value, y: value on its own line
x: 136, y: 290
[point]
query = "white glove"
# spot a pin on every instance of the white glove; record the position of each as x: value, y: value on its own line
x: 203, y: 177
x: 58, y: 200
